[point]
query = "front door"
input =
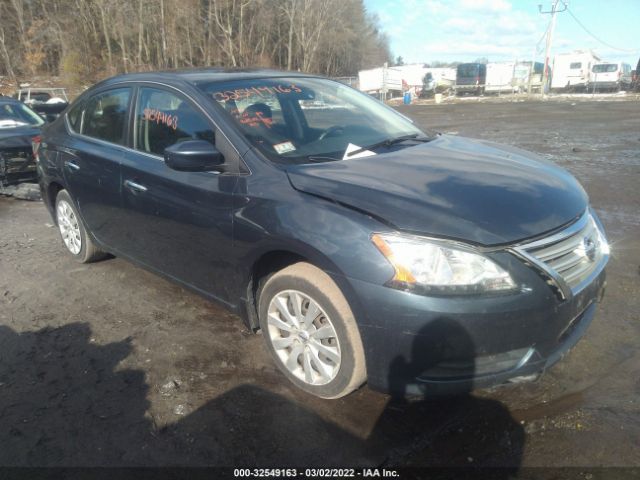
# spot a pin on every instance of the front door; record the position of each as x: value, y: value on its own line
x: 178, y: 223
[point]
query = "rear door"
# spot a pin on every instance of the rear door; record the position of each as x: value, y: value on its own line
x: 606, y: 73
x: 178, y: 223
x: 576, y: 75
x: 91, y: 158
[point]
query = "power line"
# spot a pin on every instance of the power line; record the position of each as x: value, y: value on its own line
x: 595, y: 36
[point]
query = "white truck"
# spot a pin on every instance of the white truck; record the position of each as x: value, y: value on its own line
x: 500, y: 76
x: 572, y: 71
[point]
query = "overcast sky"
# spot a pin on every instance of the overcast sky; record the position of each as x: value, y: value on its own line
x: 463, y: 30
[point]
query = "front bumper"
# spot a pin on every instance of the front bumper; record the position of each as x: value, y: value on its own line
x: 16, y: 178
x: 16, y: 166
x: 417, y: 345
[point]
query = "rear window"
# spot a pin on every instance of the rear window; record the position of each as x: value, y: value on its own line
x: 35, y: 96
x: 605, y: 68
x: 575, y: 65
x: 471, y: 70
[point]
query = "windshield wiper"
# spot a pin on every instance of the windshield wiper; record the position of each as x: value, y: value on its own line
x: 388, y: 142
x: 321, y: 159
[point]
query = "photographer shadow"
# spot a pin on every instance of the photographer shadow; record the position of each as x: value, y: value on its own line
x: 445, y: 430
x: 64, y: 401
x: 67, y: 400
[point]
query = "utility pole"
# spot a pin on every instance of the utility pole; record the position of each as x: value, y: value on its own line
x: 547, y: 52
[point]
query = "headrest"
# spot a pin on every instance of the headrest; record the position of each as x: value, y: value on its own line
x: 263, y: 108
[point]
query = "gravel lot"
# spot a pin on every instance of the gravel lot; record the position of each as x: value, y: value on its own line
x: 107, y: 364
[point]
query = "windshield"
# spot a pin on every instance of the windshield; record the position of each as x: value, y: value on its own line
x: 605, y: 68
x: 18, y: 115
x: 298, y: 120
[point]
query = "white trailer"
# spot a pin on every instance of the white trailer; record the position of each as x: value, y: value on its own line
x: 571, y: 71
x: 379, y: 80
x: 500, y: 77
x: 528, y: 75
x: 413, y: 75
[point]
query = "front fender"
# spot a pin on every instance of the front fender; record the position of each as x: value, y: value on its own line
x: 332, y: 237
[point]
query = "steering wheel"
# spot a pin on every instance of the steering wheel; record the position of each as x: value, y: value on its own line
x: 330, y: 131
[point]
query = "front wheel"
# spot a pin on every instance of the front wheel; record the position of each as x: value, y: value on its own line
x: 310, y: 331
x: 74, y: 235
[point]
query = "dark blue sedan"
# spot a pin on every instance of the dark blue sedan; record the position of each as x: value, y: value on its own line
x: 364, y: 248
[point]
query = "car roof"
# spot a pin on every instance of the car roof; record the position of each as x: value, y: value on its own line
x: 203, y: 75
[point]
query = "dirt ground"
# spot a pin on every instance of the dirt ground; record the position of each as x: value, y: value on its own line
x: 107, y: 364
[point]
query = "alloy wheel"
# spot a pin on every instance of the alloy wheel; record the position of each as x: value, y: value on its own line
x: 303, y: 337
x: 69, y: 227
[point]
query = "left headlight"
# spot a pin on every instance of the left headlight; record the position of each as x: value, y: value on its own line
x: 436, y: 268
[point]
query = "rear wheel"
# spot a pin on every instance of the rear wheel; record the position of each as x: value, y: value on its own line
x: 72, y: 231
x: 310, y: 331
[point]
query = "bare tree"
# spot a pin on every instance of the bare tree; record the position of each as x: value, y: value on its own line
x: 87, y: 40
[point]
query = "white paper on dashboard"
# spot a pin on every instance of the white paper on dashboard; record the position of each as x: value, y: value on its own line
x: 351, y: 147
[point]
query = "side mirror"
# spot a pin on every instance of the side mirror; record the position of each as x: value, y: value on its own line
x: 194, y: 156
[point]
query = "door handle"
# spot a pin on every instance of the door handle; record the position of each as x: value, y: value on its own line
x: 71, y: 165
x: 136, y: 187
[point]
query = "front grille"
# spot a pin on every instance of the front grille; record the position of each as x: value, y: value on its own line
x: 573, y: 254
x: 14, y: 160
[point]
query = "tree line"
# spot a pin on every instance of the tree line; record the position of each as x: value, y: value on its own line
x: 85, y: 40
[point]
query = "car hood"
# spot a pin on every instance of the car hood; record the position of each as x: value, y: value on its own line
x: 452, y: 187
x: 17, y: 137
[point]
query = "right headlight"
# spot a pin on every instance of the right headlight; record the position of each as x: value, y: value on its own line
x: 435, y: 268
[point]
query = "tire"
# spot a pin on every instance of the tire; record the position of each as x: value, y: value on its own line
x: 76, y: 241
x: 329, y: 378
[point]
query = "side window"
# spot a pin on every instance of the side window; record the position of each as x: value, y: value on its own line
x: 75, y: 116
x: 164, y: 119
x: 575, y: 65
x: 106, y: 116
